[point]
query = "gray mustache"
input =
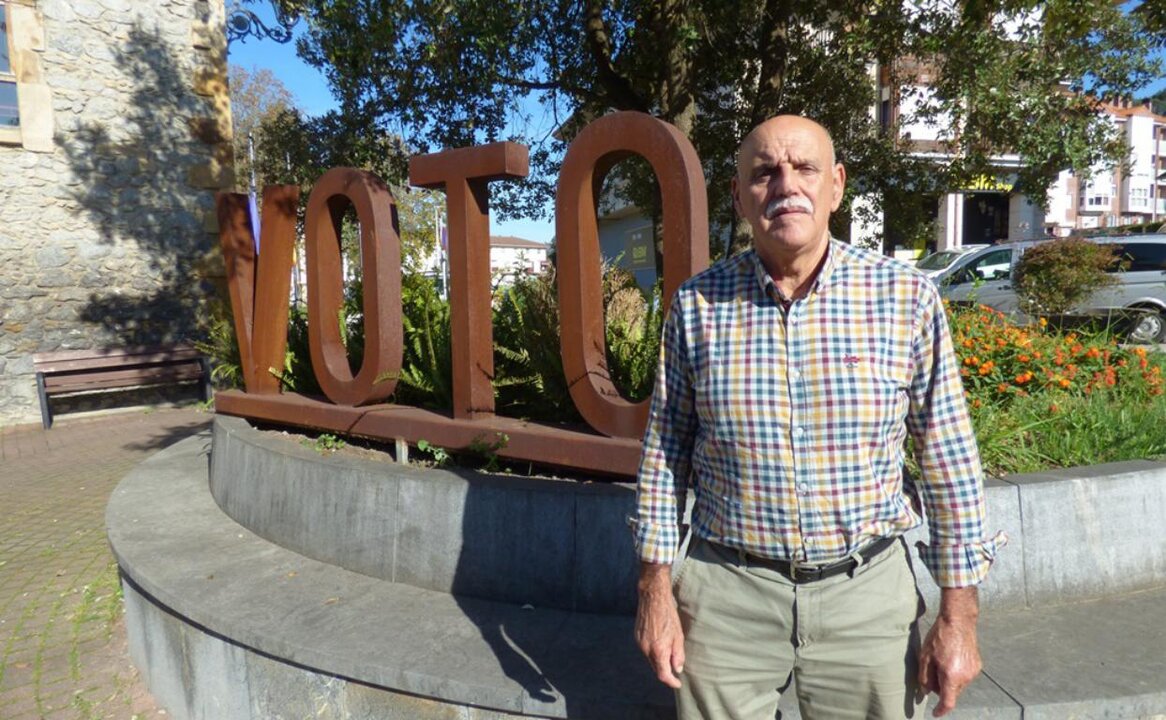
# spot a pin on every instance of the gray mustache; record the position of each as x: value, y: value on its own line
x: 793, y: 202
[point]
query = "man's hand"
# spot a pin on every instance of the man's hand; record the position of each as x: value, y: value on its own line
x: 658, y: 631
x: 950, y: 657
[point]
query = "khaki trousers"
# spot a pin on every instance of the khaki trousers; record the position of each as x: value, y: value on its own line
x: 850, y: 642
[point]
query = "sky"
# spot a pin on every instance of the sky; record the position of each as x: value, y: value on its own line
x: 310, y: 90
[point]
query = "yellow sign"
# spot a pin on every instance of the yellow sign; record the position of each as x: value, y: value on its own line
x: 993, y: 184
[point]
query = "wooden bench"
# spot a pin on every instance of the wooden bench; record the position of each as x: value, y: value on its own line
x: 75, y: 371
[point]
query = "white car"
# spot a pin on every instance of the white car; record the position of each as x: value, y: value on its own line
x: 938, y: 261
x: 985, y: 276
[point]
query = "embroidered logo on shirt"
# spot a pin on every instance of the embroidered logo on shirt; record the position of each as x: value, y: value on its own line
x: 851, y: 361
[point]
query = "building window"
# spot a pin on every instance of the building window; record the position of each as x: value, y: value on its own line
x: 9, y: 112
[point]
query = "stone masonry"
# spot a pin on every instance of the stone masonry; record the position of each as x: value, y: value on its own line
x: 107, y: 225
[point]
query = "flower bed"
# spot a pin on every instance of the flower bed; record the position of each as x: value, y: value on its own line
x: 1043, y: 398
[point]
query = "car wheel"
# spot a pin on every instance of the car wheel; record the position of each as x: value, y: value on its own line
x: 1151, y: 328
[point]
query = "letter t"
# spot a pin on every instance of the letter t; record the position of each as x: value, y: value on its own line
x: 464, y: 173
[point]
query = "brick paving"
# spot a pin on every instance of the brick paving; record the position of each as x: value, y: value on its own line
x: 63, y: 653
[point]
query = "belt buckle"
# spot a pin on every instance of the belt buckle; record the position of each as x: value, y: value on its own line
x: 794, y: 564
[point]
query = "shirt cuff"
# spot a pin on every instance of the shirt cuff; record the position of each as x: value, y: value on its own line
x: 655, y: 543
x: 962, y: 565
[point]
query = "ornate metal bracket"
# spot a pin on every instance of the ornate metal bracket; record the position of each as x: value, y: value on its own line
x: 242, y: 23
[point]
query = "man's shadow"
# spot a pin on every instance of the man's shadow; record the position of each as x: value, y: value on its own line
x: 547, y: 573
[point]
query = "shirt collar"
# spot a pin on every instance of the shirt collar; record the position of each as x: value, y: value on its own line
x: 765, y: 282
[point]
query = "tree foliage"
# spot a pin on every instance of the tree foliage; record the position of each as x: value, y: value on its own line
x: 257, y: 96
x: 1007, y: 76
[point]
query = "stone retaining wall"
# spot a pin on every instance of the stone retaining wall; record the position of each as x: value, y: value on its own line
x: 1075, y: 534
x: 107, y: 229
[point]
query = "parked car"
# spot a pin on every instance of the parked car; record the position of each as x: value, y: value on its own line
x: 985, y: 276
x: 938, y: 261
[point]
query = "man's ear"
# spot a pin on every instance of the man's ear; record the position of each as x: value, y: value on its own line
x: 839, y: 181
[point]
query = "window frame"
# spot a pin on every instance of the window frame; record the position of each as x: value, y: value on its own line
x: 10, y: 134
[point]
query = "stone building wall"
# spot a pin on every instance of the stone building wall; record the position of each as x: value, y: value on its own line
x: 107, y: 191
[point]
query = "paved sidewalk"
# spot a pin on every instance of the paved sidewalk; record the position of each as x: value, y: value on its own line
x: 63, y: 651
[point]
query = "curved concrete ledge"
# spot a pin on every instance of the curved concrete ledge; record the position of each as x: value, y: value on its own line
x: 225, y: 624
x: 217, y: 613
x: 1076, y: 534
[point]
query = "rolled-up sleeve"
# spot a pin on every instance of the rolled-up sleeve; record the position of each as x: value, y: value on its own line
x: 666, y: 460
x: 951, y: 485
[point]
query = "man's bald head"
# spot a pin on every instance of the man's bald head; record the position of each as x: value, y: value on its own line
x: 785, y: 122
x: 787, y: 184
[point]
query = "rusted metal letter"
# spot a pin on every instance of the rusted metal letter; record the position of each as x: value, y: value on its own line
x: 464, y: 173
x: 381, y: 270
x: 592, y: 154
x: 259, y: 296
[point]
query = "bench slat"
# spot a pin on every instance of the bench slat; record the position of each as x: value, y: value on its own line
x: 58, y: 384
x: 51, y: 363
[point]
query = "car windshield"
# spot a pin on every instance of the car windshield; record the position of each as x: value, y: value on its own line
x: 938, y: 260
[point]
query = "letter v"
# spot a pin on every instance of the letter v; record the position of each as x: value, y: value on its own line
x: 260, y: 290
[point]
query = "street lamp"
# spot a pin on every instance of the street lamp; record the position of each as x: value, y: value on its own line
x: 242, y: 23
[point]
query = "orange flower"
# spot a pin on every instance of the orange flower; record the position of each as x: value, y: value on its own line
x: 1002, y: 388
x: 1064, y: 383
x: 1093, y: 353
x: 1044, y: 323
x: 1023, y: 358
x: 1053, y: 408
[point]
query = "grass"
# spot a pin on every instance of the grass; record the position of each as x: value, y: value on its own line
x: 1037, y: 433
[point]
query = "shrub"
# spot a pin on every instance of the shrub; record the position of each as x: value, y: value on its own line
x: 528, y: 365
x: 1054, y: 277
x: 426, y: 378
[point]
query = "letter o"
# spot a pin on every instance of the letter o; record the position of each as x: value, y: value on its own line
x: 597, y: 149
x: 381, y: 275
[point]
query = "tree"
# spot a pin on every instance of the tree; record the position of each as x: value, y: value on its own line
x: 1006, y: 75
x: 257, y: 96
x: 1152, y: 15
x: 1158, y: 101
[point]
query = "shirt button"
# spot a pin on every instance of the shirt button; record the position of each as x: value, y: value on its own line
x: 808, y: 542
x: 804, y: 488
x: 795, y: 374
x: 798, y: 431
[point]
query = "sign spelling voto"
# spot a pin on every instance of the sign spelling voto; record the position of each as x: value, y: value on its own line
x: 355, y: 403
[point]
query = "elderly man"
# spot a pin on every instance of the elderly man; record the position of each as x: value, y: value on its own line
x: 790, y: 377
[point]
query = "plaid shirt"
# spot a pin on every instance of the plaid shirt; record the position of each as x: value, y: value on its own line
x: 790, y: 424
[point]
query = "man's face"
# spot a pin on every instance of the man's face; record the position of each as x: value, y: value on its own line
x: 787, y: 185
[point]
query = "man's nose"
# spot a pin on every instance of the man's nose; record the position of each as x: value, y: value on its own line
x: 782, y: 181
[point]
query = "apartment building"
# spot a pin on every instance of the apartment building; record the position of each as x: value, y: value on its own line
x: 987, y: 210
x: 1113, y: 196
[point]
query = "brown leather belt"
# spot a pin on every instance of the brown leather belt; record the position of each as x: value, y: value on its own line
x: 799, y: 573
